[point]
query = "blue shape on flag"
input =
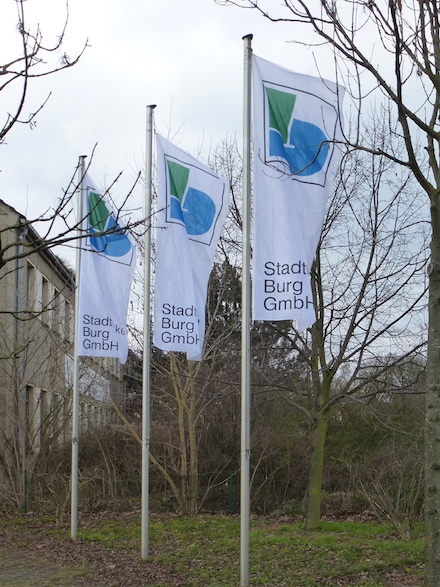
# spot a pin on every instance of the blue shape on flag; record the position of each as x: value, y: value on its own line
x: 306, y: 152
x: 114, y: 244
x: 197, y: 212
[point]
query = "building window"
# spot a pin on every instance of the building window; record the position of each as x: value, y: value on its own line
x: 56, y: 418
x: 68, y: 321
x: 58, y: 313
x: 45, y: 301
x: 44, y: 416
x: 31, y: 286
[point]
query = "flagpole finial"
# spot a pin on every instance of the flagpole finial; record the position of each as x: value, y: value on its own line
x: 250, y: 36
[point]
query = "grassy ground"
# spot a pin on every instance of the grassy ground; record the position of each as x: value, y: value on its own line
x: 204, y: 551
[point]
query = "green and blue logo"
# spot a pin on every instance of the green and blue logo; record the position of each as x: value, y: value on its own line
x: 294, y: 133
x: 105, y: 234
x: 188, y: 201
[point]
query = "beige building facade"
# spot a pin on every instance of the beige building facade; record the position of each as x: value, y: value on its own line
x: 37, y: 302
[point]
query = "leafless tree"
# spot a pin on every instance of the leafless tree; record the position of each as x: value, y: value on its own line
x: 389, y: 51
x: 369, y: 287
x: 35, y: 60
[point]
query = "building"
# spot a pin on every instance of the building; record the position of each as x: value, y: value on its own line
x: 37, y: 298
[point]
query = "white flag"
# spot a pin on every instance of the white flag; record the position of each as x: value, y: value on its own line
x: 107, y: 265
x: 296, y: 120
x: 193, y: 204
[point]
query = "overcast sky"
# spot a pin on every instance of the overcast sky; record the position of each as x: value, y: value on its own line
x: 185, y: 56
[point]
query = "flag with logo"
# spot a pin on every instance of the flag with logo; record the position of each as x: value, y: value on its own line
x: 297, y: 122
x: 106, y: 270
x: 193, y: 204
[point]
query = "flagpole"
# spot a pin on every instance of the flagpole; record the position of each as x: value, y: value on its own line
x: 75, y: 393
x: 147, y: 337
x: 246, y: 319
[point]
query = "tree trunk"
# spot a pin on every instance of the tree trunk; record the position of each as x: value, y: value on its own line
x: 193, y: 448
x: 321, y: 386
x: 314, y: 493
x: 179, y: 394
x: 432, y: 416
x: 186, y: 400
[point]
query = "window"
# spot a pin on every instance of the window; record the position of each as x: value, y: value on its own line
x: 45, y: 301
x: 44, y: 416
x: 56, y: 418
x: 68, y: 321
x: 58, y: 312
x: 31, y: 289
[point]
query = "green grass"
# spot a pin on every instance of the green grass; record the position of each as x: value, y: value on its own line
x: 205, y: 550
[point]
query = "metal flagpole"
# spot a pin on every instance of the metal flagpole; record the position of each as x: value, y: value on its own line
x: 75, y: 394
x: 246, y: 315
x: 147, y: 337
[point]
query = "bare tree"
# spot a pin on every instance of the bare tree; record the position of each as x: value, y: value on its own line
x: 369, y: 285
x: 187, y: 397
x: 57, y: 224
x: 368, y: 282
x: 390, y: 51
x: 36, y: 60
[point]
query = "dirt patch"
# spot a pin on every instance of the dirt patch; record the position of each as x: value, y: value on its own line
x: 19, y: 568
x: 32, y: 558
